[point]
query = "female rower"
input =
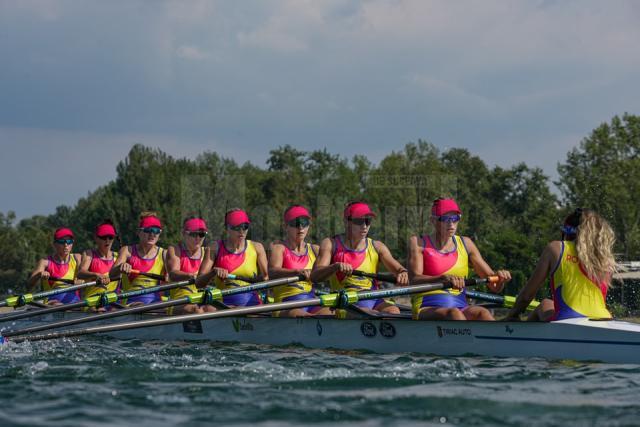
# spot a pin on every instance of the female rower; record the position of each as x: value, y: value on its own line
x: 183, y: 263
x: 97, y: 263
x: 444, y: 256
x: 62, y: 265
x: 580, y: 267
x: 354, y: 250
x: 145, y: 257
x: 295, y: 256
x: 235, y: 255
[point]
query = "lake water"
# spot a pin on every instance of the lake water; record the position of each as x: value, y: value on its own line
x: 97, y: 381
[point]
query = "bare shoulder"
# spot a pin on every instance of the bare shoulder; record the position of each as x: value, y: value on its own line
x: 259, y: 246
x: 315, y: 248
x: 277, y: 247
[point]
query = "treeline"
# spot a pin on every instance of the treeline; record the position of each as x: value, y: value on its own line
x: 511, y: 213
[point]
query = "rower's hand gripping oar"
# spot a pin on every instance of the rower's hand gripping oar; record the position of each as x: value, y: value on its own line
x: 99, y: 300
x: 335, y: 300
x: 206, y: 297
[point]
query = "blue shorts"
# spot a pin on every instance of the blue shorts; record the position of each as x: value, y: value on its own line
x: 302, y: 297
x: 445, y: 300
x: 243, y: 300
x: 66, y: 298
x: 145, y: 299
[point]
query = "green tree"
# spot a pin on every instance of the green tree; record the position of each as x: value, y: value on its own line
x: 603, y: 173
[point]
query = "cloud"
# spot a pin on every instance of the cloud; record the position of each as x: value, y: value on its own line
x: 351, y: 76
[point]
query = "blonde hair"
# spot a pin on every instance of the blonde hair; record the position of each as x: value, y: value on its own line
x: 594, y: 245
x: 145, y: 214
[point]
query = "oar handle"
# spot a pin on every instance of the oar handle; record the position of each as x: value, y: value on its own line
x: 149, y: 275
x: 383, y: 277
x: 244, y: 278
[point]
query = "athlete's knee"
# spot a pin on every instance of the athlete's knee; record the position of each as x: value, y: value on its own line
x: 455, y: 314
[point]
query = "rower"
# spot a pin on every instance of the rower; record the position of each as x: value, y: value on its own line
x: 354, y: 250
x: 234, y: 255
x: 580, y: 266
x: 145, y: 257
x: 62, y: 265
x: 183, y: 263
x: 96, y: 263
x: 295, y: 256
x: 444, y: 256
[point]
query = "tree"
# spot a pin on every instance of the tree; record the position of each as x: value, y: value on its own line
x: 603, y: 173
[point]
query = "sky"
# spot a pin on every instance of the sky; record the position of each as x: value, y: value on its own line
x: 512, y: 81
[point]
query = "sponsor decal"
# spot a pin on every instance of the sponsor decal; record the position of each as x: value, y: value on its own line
x: 455, y: 332
x: 368, y: 329
x: 508, y: 329
x: 192, y: 327
x: 387, y: 330
x: 319, y: 328
x: 241, y: 325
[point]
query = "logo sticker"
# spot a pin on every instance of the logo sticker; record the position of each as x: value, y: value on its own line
x: 319, y: 328
x: 241, y: 325
x: 387, y: 330
x: 368, y: 329
x: 454, y: 332
x: 192, y: 327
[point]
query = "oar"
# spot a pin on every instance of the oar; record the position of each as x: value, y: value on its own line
x: 505, y: 301
x: 335, y: 300
x: 383, y: 277
x: 95, y: 301
x: 19, y: 300
x: 198, y: 298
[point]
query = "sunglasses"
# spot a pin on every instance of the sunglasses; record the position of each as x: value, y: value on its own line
x: 361, y: 221
x: 568, y: 230
x: 299, y: 222
x: 64, y: 241
x: 448, y: 218
x: 240, y: 227
x: 110, y: 237
x: 201, y: 234
x: 152, y: 230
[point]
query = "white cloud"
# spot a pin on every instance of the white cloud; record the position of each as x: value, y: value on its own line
x: 192, y: 53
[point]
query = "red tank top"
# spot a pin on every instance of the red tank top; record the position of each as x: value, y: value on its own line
x: 188, y: 264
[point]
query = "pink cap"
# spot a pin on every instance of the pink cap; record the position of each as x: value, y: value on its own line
x: 358, y: 210
x: 63, y: 232
x: 442, y: 206
x: 235, y: 218
x: 150, y: 221
x: 195, y: 224
x: 105, y: 230
x: 296, y: 212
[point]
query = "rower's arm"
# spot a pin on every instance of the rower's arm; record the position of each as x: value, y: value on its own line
x: 173, y: 266
x: 78, y: 258
x: 483, y: 269
x: 391, y: 264
x: 85, y: 263
x: 119, y: 266
x: 275, y: 262
x: 36, y: 275
x: 546, y: 263
x: 206, y: 272
x: 322, y: 268
x: 263, y: 263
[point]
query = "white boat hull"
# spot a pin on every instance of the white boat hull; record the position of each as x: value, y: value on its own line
x: 577, y: 339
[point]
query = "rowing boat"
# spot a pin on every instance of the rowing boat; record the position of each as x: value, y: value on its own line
x: 578, y: 339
